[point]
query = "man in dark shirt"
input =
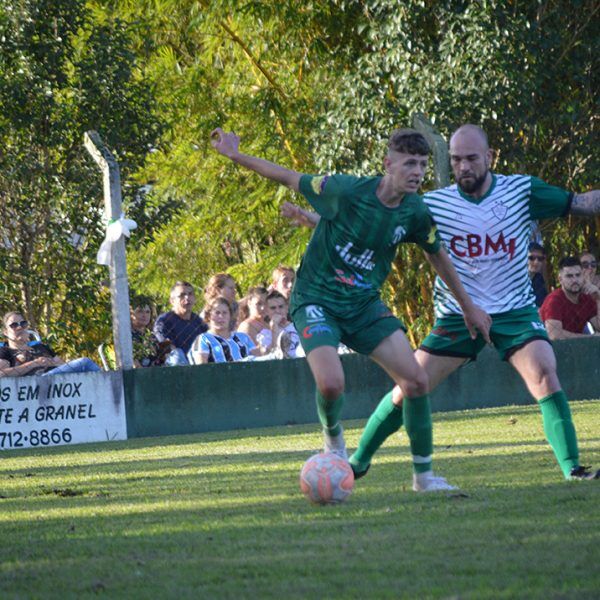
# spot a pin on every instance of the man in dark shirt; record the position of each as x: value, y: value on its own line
x: 180, y: 326
x: 536, y: 260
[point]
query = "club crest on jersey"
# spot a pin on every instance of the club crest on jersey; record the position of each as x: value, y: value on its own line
x: 318, y: 184
x: 499, y: 210
x: 314, y: 313
x: 431, y: 236
x: 399, y: 233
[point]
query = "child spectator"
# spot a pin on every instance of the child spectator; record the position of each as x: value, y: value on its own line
x: 222, y: 284
x: 281, y: 338
x: 255, y: 302
x: 219, y: 343
x: 282, y: 281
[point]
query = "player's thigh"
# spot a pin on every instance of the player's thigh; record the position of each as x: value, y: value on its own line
x: 395, y: 355
x: 536, y: 364
x: 438, y: 367
x: 326, y: 367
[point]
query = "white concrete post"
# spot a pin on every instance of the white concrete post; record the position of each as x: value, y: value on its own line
x: 119, y: 286
x: 439, y: 147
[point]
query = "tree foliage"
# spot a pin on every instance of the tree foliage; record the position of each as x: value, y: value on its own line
x: 62, y: 73
x: 318, y: 86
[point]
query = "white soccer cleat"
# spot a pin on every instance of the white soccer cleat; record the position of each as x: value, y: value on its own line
x: 335, y: 444
x: 428, y: 482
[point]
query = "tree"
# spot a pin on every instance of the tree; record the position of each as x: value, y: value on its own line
x: 63, y: 72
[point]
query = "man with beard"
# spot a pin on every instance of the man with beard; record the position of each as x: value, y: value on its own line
x: 485, y: 220
x: 567, y: 311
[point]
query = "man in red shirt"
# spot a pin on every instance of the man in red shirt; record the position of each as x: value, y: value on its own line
x: 566, y: 311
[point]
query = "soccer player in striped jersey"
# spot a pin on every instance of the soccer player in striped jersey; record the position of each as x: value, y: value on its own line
x: 485, y: 220
x: 336, y: 296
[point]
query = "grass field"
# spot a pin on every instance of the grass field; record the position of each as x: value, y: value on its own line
x: 221, y: 516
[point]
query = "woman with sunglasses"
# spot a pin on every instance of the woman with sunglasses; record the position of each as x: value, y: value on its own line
x: 589, y: 266
x: 18, y: 357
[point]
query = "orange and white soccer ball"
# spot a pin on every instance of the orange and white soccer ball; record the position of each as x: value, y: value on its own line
x: 326, y: 478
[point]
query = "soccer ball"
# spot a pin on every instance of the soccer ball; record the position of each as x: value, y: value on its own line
x: 326, y: 479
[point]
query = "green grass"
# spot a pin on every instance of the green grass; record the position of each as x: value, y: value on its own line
x: 221, y: 516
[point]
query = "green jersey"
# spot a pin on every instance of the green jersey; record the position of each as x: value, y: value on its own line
x: 352, y: 248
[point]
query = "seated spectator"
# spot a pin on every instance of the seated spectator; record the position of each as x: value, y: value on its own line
x: 280, y: 339
x: 589, y: 266
x: 282, y: 281
x: 222, y: 284
x: 147, y: 350
x: 21, y: 357
x: 179, y: 326
x: 219, y: 343
x: 256, y: 304
x: 566, y: 311
x: 535, y: 268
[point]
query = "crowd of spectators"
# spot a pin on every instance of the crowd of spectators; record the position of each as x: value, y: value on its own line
x: 258, y: 326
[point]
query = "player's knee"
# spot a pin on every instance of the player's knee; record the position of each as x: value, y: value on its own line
x: 331, y: 388
x: 417, y: 385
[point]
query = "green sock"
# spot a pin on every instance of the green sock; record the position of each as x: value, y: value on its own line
x: 417, y: 418
x: 385, y: 420
x: 560, y: 431
x: 329, y: 413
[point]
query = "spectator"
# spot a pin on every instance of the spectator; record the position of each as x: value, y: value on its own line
x: 180, y: 326
x: 222, y: 284
x: 281, y: 338
x: 147, y: 350
x: 283, y: 279
x: 566, y: 311
x: 256, y: 304
x: 536, y: 261
x: 20, y: 357
x: 219, y: 343
x: 589, y: 266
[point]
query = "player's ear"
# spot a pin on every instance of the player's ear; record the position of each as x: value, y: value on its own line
x: 386, y: 164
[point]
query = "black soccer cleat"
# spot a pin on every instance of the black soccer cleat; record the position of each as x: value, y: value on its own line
x: 580, y: 473
x: 359, y: 474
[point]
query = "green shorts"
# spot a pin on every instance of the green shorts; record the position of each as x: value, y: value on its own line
x: 360, y: 329
x: 510, y: 331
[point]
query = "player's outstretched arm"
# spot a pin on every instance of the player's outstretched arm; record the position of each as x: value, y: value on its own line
x: 586, y: 204
x: 228, y: 144
x: 476, y: 319
x: 298, y: 216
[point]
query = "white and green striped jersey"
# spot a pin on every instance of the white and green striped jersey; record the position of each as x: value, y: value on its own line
x: 488, y: 238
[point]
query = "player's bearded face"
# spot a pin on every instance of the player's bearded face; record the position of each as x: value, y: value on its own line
x: 471, y: 173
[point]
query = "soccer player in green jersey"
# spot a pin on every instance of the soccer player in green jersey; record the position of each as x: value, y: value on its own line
x: 336, y: 296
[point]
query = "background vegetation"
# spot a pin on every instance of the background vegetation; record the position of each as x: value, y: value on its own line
x: 313, y: 85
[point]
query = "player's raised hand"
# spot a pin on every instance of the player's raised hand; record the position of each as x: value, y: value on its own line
x: 226, y: 144
x: 298, y: 216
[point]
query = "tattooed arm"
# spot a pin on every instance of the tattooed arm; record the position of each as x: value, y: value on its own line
x: 587, y: 204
